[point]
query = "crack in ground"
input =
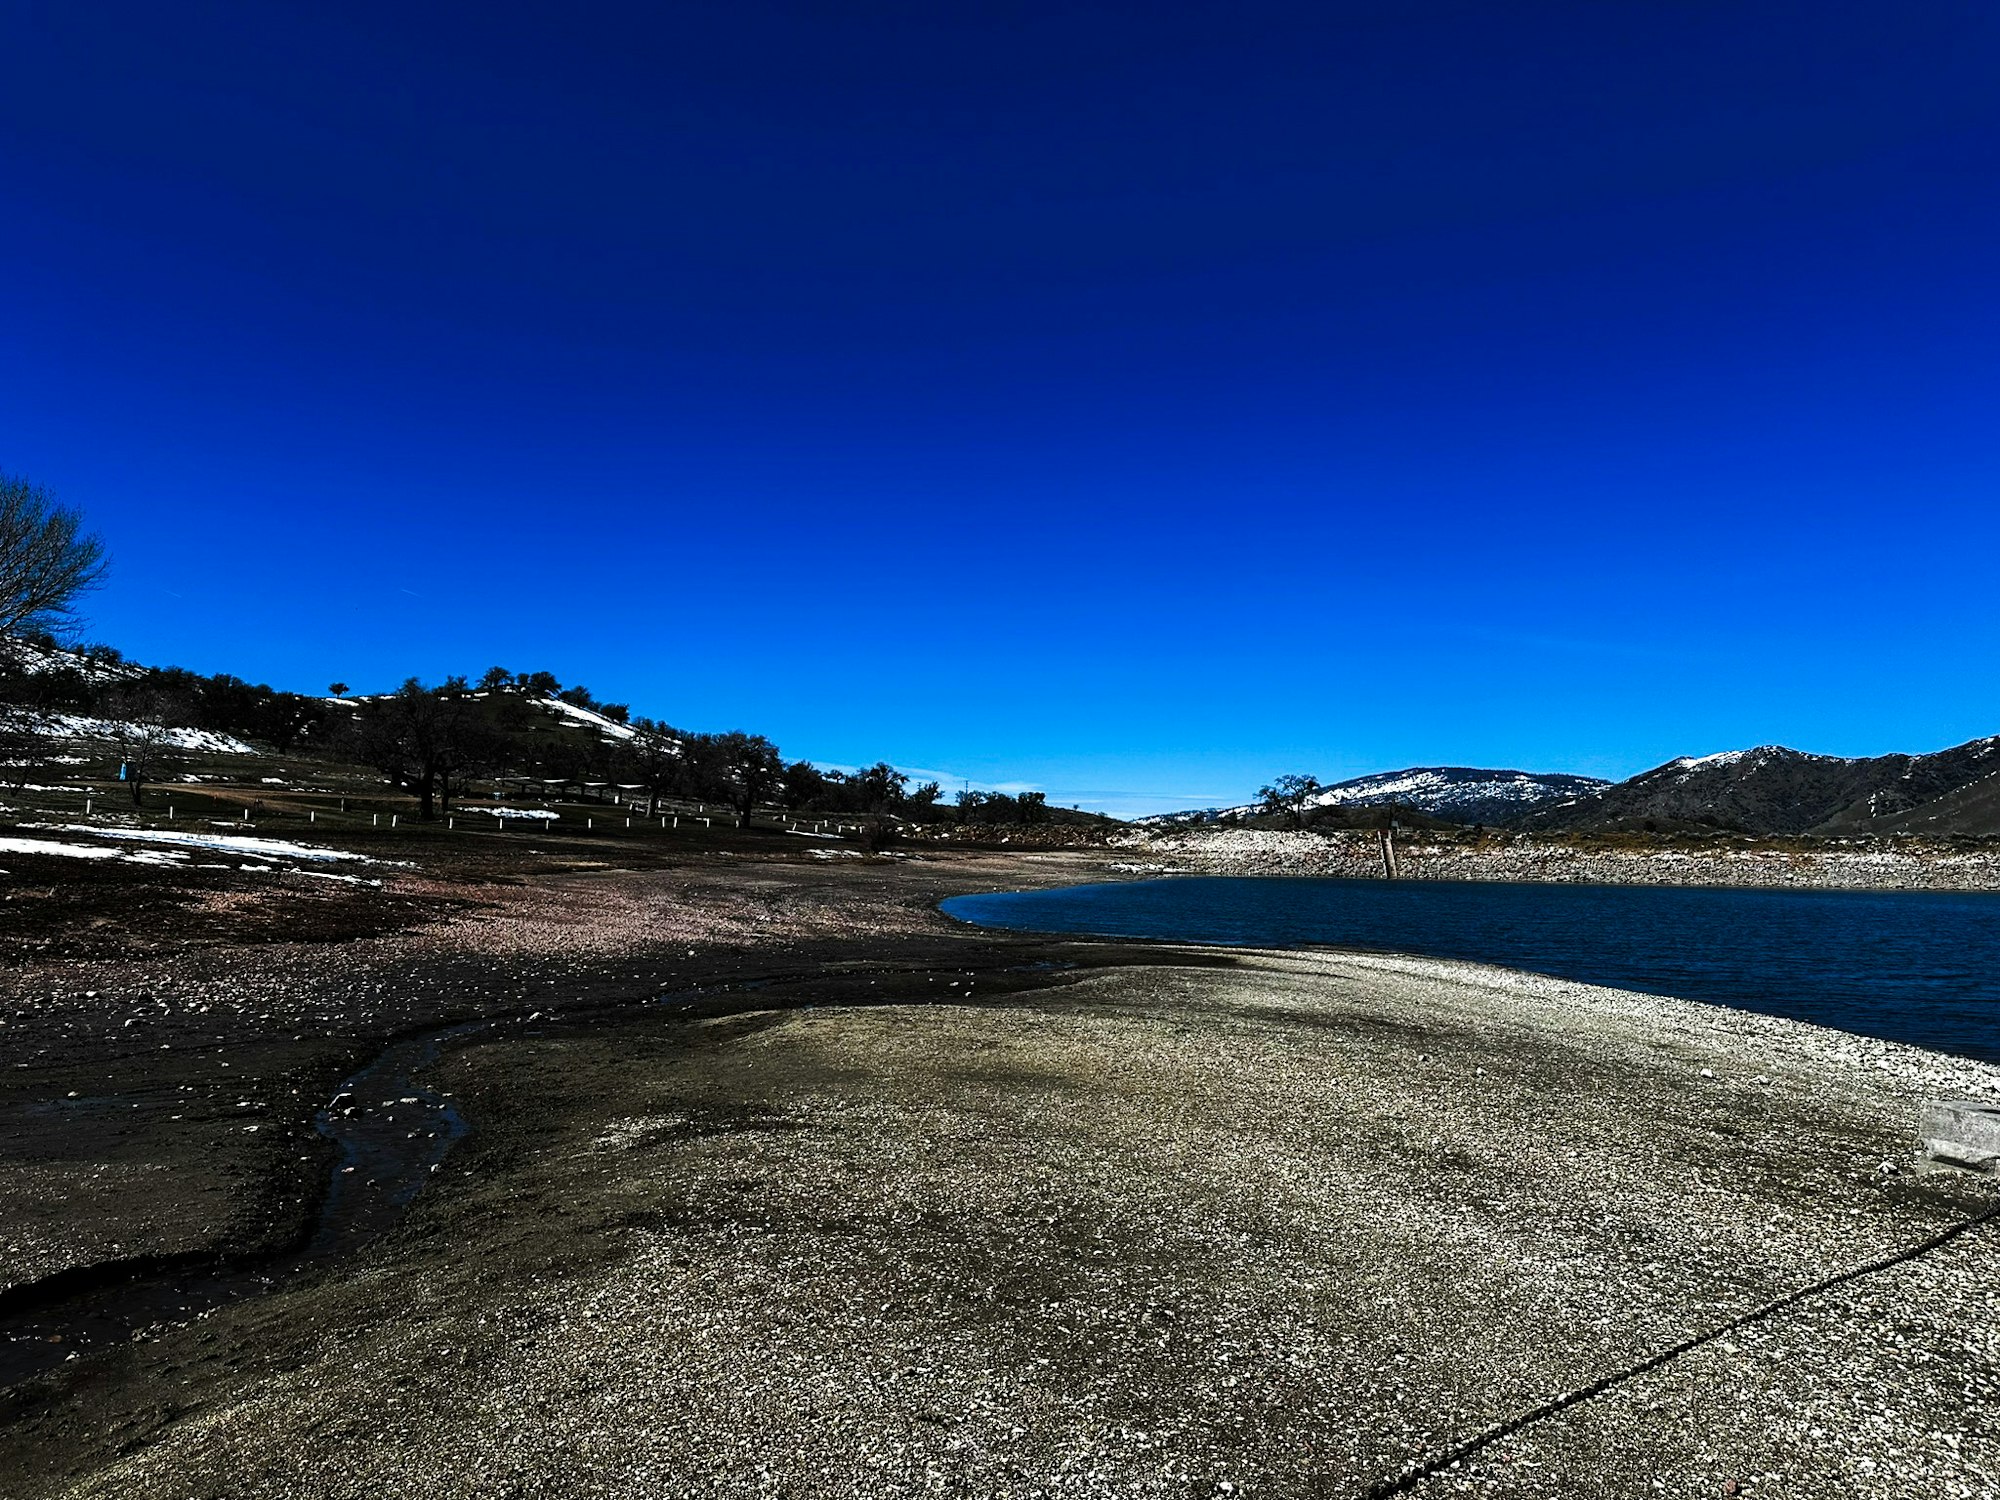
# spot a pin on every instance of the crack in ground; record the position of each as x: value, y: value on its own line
x: 1416, y: 1474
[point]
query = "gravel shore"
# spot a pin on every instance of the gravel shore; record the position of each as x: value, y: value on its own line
x: 1870, y: 865
x: 161, y: 1077
x: 933, y: 1213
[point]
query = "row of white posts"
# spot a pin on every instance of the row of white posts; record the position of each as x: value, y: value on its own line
x: 375, y: 819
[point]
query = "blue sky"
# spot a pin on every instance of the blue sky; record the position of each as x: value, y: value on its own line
x: 1135, y: 402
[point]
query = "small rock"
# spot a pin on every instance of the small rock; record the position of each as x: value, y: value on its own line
x: 1962, y: 1132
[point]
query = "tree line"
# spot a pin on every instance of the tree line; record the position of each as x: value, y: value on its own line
x: 433, y: 741
x: 429, y: 741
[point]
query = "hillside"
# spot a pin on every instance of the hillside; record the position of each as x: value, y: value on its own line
x: 1775, y: 790
x: 458, y: 746
x: 1448, y: 794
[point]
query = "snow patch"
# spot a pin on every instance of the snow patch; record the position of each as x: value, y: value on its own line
x: 35, y: 660
x: 594, y: 720
x: 83, y: 727
x: 85, y: 851
x: 234, y: 843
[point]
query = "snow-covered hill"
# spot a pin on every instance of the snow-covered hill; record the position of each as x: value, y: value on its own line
x: 32, y: 658
x: 587, y: 718
x: 569, y: 715
x: 60, y: 726
x: 1771, y: 789
x: 1457, y: 794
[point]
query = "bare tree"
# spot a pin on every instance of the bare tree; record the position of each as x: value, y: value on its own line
x: 47, y: 559
x: 652, y: 757
x: 148, y: 716
x: 749, y: 765
x: 423, y: 739
x: 1290, y: 794
x: 21, y: 737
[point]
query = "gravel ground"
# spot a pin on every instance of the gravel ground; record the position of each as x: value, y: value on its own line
x: 165, y: 1036
x: 1752, y: 862
x: 1167, y: 1223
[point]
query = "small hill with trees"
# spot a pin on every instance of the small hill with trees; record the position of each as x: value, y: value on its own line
x: 524, y: 734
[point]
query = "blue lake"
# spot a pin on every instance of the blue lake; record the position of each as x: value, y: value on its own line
x: 1909, y: 966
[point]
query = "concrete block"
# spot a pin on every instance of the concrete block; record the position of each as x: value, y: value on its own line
x: 1964, y: 1132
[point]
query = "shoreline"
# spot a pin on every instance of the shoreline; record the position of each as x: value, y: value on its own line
x: 1894, y: 1026
x: 1529, y: 860
x: 635, y: 1173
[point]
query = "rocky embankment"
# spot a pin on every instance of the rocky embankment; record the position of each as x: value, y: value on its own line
x: 1864, y: 866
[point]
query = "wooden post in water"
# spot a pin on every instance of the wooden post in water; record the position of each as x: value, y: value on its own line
x: 1388, y: 841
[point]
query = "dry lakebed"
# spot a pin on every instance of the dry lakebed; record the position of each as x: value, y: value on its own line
x: 757, y: 1176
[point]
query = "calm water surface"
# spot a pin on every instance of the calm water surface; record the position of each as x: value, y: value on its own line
x: 1910, y: 966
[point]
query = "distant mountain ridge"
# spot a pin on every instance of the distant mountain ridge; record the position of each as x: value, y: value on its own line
x: 1772, y: 789
x: 1452, y: 794
x: 1765, y: 790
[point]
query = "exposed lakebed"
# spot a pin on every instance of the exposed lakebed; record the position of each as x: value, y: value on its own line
x: 1921, y: 967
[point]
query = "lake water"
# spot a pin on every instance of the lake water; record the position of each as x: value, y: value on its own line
x: 1910, y: 966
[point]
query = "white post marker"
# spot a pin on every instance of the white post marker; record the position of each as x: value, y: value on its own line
x: 374, y: 820
x: 86, y: 807
x: 393, y: 817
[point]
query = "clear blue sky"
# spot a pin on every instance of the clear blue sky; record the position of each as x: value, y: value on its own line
x: 1132, y: 401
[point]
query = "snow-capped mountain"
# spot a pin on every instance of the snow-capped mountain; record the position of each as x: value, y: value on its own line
x: 1459, y: 794
x: 1455, y: 794
x: 1771, y: 789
